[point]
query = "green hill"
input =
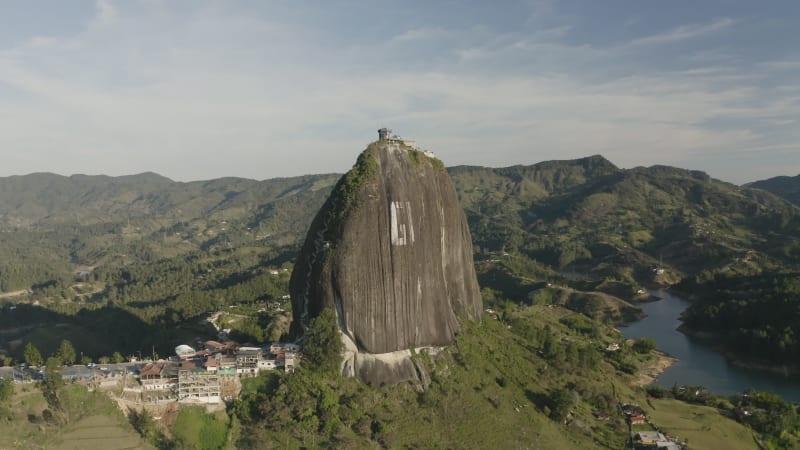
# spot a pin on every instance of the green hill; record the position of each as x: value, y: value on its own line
x: 535, y: 379
x: 131, y: 263
x: 51, y: 225
x: 786, y: 187
x: 39, y: 200
x: 590, y: 216
x: 593, y: 227
x: 153, y: 245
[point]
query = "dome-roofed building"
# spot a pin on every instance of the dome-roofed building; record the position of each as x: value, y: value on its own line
x: 185, y: 352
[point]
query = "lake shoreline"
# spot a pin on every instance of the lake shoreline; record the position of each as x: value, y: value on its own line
x: 649, y: 374
x: 700, y: 361
x: 715, y: 341
x: 738, y: 359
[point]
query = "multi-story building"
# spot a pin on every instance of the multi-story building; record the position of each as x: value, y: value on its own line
x: 159, y: 376
x: 196, y: 385
x: 247, y: 361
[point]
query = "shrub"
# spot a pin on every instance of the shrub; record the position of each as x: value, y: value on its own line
x: 323, y: 346
x: 644, y: 345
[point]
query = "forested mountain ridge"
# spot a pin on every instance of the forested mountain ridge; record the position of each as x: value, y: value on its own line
x: 133, y: 264
x: 589, y: 225
x: 586, y: 214
x: 42, y: 199
x: 53, y: 225
x: 784, y: 186
x: 584, y: 224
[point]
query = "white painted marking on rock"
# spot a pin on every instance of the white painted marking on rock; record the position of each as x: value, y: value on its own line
x: 401, y: 231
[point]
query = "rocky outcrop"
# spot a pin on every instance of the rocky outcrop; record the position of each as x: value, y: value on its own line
x: 391, y: 252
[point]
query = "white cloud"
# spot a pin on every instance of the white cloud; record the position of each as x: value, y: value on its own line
x: 207, y: 93
x: 686, y: 32
x: 106, y: 12
x: 789, y: 64
x: 420, y: 34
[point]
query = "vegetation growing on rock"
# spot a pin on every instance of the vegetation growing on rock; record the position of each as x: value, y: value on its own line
x: 345, y: 193
x: 419, y: 157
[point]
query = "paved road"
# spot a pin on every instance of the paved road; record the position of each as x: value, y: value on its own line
x: 20, y: 373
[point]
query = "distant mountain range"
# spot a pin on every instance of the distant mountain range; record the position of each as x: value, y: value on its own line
x: 591, y: 216
x: 584, y: 223
x: 43, y: 198
x: 786, y: 187
x: 583, y: 216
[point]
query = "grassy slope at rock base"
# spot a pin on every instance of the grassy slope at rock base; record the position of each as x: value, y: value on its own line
x: 92, y: 421
x: 491, y: 389
x: 100, y: 432
x: 703, y: 426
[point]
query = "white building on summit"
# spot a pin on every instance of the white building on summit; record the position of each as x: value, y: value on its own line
x: 385, y: 134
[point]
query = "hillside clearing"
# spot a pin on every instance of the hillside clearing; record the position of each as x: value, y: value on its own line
x: 702, y: 426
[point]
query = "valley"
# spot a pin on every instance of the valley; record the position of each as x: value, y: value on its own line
x: 564, y: 251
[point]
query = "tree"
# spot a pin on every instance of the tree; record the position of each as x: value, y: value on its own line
x: 561, y: 401
x: 86, y: 360
x: 117, y: 358
x: 234, y: 432
x: 33, y: 357
x: 552, y: 349
x: 644, y: 345
x: 6, y: 390
x: 53, y: 382
x: 323, y: 346
x: 66, y: 352
x: 145, y: 424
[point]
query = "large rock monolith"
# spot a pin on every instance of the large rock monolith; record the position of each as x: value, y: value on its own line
x: 390, y: 251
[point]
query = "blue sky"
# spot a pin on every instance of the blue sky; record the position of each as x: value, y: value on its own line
x: 259, y: 89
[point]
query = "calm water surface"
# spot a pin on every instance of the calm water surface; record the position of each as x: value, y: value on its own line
x: 699, y: 365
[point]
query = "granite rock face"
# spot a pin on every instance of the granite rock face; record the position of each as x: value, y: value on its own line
x: 391, y: 252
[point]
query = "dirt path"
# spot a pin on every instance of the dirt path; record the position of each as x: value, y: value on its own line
x: 15, y: 293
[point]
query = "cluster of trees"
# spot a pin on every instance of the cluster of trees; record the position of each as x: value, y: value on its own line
x: 181, y: 288
x: 554, y: 348
x: 756, y: 315
x: 322, y: 347
x: 30, y: 260
x: 42, y: 260
x: 581, y: 324
x: 769, y: 414
x: 65, y: 354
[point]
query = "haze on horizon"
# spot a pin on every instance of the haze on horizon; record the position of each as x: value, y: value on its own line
x: 204, y: 89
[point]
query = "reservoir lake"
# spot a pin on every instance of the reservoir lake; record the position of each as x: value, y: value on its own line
x: 698, y: 364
